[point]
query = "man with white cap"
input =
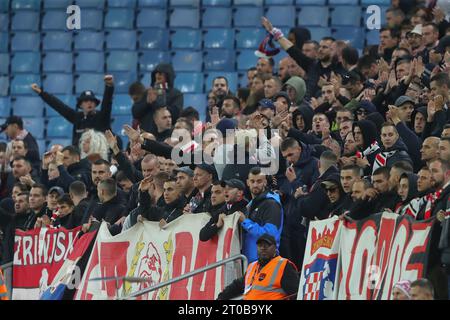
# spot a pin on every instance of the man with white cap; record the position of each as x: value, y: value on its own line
x: 414, y: 38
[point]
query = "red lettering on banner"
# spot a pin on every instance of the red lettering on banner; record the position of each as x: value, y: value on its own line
x: 113, y: 263
x: 226, y: 253
x: 182, y: 256
x: 418, y: 248
x: 93, y: 263
x: 206, y: 254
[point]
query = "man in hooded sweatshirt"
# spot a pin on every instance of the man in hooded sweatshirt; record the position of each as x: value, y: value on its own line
x: 161, y: 93
x: 365, y: 135
x: 296, y: 90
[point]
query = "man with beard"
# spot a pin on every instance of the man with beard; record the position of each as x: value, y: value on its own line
x: 269, y: 278
x: 430, y: 150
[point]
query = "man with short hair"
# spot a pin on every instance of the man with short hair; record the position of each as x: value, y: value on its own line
x: 389, y: 39
x: 349, y: 175
x: 443, y: 149
x: 359, y: 188
x: 111, y: 208
x: 163, y: 124
x: 430, y: 150
x: 397, y: 170
x: 230, y: 107
x: 79, y: 196
x: 311, y: 49
x: 79, y: 169
x: 265, y: 65
x: 271, y: 87
x: 21, y: 167
x: 430, y: 35
x: 204, y: 175
x: 422, y: 289
x: 38, y: 206
x: 185, y: 182
x: 283, y: 69
x: 394, y: 17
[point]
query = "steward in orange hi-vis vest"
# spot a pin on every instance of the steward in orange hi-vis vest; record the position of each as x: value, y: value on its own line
x: 271, y: 277
x: 3, y: 289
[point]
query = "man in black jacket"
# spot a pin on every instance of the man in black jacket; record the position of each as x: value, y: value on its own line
x: 111, y: 208
x: 38, y: 206
x: 204, y: 175
x: 88, y: 118
x: 185, y: 182
x: 78, y: 194
x: 78, y: 169
x: 161, y: 93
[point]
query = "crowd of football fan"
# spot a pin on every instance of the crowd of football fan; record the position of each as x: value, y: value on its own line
x: 355, y: 136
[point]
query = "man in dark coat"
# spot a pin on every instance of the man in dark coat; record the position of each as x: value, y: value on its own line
x: 88, y: 118
x: 111, y: 208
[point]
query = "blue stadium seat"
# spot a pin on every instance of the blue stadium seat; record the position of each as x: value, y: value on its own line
x: 89, y: 61
x: 355, y: 35
x: 197, y: 100
x: 5, y: 107
x: 184, y: 60
x: 57, y: 4
x: 119, y: 18
x: 42, y: 146
x: 184, y: 18
x: 185, y: 3
x: 346, y: 16
x: 216, y: 3
x: 89, y: 81
x: 373, y: 37
x: 152, y: 3
x: 58, y: 127
x: 4, y: 21
x: 28, y: 106
x: 121, y: 61
x: 148, y: 60
x: 58, y: 83
x: 35, y: 125
x: 119, y: 122
x: 121, y: 39
x: 25, y: 41
x: 91, y: 19
x: 57, y: 62
x: 25, y: 21
x: 123, y: 79
x: 57, y: 41
x: 258, y: 3
x: 246, y: 59
x: 216, y: 17
x: 151, y: 18
x: 97, y: 4
x: 89, y: 40
x: 4, y: 41
x: 232, y: 78
x: 377, y: 2
x: 154, y: 39
x: 121, y: 104
x: 26, y: 62
x: 248, y: 16
x: 218, y: 38
x: 313, y: 16
x: 343, y: 2
x: 4, y: 63
x: 186, y: 39
x: 54, y: 20
x: 121, y: 3
x: 317, y: 33
x: 249, y: 38
x: 281, y: 16
x: 34, y: 5
x: 69, y: 100
x: 219, y: 60
x: 279, y: 2
x: 189, y: 82
x: 310, y: 2
x: 4, y: 85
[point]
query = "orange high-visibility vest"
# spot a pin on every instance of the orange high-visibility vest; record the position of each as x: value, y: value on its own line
x: 3, y: 290
x: 265, y: 284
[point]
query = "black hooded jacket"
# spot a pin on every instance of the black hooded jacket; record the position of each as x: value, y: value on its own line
x: 412, y: 191
x: 370, y: 135
x: 307, y: 114
x: 173, y: 99
x: 401, y: 153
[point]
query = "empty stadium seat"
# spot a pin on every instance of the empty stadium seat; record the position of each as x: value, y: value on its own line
x: 219, y: 60
x: 5, y: 107
x: 313, y: 16
x: 121, y: 3
x: 118, y: 122
x: 89, y: 40
x: 183, y: 60
x: 186, y: 39
x: 42, y: 145
x: 151, y: 18
x: 119, y: 18
x: 4, y: 22
x: 28, y: 106
x: 216, y: 17
x: 310, y: 2
x: 121, y: 39
x: 54, y: 20
x: 343, y: 2
x: 68, y: 99
x: 373, y: 37
x: 376, y: 2
x: 4, y: 85
x: 58, y: 83
x: 58, y: 41
x: 25, y: 41
x: 281, y: 16
x: 346, y: 16
x: 317, y: 33
x: 121, y: 104
x: 355, y: 35
x: 35, y: 125
x: 154, y: 39
x: 184, y: 18
x: 34, y: 5
x: 184, y: 3
x: 123, y: 80
x: 4, y: 63
x: 218, y: 38
x: 91, y: 19
x: 4, y: 41
x: 148, y: 60
x: 196, y: 100
x: 89, y: 81
x: 26, y: 62
x: 232, y: 78
x: 57, y: 4
x: 58, y: 127
x: 57, y: 62
x: 89, y: 61
x: 246, y: 59
x: 189, y: 82
x: 258, y: 3
x: 214, y: 3
x: 247, y: 38
x: 121, y: 61
x: 97, y: 4
x: 152, y: 3
x: 248, y: 17
x: 25, y: 21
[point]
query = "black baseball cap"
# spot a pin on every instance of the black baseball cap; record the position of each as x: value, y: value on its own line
x: 185, y: 170
x: 57, y: 189
x: 234, y: 183
x: 351, y: 76
x: 12, y: 120
x: 267, y: 238
x: 208, y: 168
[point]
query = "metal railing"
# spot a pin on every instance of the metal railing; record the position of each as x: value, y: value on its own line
x: 187, y: 275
